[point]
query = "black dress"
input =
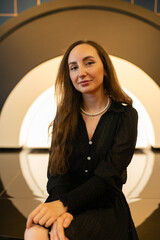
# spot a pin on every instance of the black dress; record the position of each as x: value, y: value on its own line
x: 92, y: 188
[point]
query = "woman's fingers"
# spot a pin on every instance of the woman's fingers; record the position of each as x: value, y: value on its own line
x: 67, y: 221
x: 57, y: 229
x: 42, y: 221
x: 60, y: 228
x: 41, y: 217
x: 53, y: 232
x: 32, y: 215
x: 44, y: 212
x: 49, y: 222
x: 63, y: 222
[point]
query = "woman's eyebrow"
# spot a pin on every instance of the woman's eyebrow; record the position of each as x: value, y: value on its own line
x: 85, y: 58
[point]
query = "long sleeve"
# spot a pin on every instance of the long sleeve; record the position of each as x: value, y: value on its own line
x: 57, y: 186
x: 109, y: 172
x: 113, y: 167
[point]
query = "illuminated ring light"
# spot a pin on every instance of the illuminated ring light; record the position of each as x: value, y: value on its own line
x: 48, y: 71
x: 34, y: 128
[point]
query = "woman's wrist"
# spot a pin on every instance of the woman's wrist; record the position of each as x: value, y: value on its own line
x: 63, y: 205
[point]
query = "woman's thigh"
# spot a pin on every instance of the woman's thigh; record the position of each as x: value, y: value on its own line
x: 36, y: 232
x: 93, y: 225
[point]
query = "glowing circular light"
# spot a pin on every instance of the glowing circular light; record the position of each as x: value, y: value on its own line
x: 34, y: 129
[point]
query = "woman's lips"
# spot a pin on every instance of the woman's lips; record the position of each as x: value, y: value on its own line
x: 85, y: 82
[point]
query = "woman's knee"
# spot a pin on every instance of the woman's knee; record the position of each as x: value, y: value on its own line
x: 36, y: 233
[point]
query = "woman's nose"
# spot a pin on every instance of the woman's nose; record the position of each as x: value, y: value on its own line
x: 82, y: 71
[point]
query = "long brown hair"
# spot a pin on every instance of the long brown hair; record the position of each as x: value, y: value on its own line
x: 69, y: 101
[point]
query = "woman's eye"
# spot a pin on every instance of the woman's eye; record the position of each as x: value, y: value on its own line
x: 89, y: 63
x: 73, y: 68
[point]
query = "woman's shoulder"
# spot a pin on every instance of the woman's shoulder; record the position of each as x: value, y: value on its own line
x: 130, y: 115
x: 125, y: 109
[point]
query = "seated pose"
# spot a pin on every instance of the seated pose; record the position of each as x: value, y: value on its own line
x: 93, y: 141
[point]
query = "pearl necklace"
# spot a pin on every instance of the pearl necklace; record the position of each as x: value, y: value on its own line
x: 98, y: 113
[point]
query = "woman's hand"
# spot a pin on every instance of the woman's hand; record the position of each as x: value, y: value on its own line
x: 46, y: 213
x: 57, y: 230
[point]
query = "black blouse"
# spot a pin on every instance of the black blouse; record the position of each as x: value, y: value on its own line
x: 97, y: 167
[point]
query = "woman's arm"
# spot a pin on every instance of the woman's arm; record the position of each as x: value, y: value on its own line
x: 57, y: 186
x: 46, y: 214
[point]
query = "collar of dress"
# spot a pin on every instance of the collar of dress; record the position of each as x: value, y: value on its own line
x: 117, y: 107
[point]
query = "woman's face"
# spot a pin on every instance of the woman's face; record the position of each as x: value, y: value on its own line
x: 86, y: 69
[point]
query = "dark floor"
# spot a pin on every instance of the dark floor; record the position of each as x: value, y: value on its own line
x: 22, y: 188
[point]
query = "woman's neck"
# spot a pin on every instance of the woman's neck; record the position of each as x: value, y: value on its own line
x: 94, y: 102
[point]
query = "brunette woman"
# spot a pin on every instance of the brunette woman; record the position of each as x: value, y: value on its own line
x: 93, y: 141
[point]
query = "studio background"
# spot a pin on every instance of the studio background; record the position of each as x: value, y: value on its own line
x: 33, y: 36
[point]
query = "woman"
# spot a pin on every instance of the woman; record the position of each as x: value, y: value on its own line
x: 93, y: 141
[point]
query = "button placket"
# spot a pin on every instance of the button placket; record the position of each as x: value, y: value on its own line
x: 89, y: 156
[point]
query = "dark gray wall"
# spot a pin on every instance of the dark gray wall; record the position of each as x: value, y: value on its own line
x: 44, y: 32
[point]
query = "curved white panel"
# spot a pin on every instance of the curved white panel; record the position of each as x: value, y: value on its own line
x: 35, y: 127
